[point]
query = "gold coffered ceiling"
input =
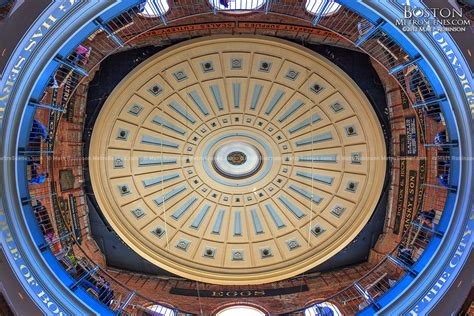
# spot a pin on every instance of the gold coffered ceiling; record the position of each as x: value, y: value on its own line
x: 237, y: 160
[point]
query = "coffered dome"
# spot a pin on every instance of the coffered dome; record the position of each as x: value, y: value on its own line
x: 237, y: 160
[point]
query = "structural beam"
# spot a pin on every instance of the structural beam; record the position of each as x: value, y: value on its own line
x: 45, y: 106
x: 403, y: 265
x: 370, y: 33
x: 405, y: 65
x: 429, y: 102
x: 104, y: 27
x: 70, y: 65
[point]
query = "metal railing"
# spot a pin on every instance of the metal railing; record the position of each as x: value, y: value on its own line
x: 120, y: 33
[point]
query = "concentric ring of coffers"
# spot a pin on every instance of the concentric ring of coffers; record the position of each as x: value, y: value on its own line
x: 237, y: 160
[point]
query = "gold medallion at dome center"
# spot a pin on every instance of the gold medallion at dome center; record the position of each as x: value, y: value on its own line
x: 237, y: 160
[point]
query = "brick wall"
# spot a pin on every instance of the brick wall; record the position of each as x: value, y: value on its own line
x: 320, y: 286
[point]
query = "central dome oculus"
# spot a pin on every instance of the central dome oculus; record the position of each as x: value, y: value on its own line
x: 237, y: 160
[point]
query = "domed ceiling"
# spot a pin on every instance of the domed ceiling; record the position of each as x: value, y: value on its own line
x: 237, y: 160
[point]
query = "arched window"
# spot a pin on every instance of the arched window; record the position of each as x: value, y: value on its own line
x: 315, y: 6
x: 160, y: 310
x: 239, y: 310
x: 237, y: 4
x: 322, y: 309
x: 154, y: 8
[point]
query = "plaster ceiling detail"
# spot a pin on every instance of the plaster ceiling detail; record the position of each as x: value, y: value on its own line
x: 237, y: 160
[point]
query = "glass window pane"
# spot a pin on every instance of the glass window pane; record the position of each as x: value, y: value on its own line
x: 315, y: 7
x: 153, y: 8
x: 237, y: 4
x: 240, y: 310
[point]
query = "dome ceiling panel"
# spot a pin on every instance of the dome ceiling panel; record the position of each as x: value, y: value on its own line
x: 237, y: 160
